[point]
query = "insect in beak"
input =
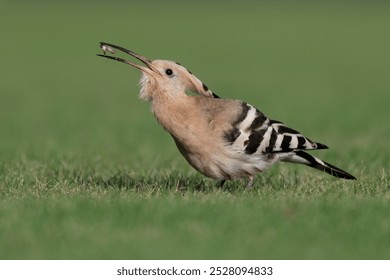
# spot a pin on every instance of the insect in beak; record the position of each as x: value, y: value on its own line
x: 107, y: 47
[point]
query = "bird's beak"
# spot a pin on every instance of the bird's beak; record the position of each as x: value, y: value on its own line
x: 110, y: 48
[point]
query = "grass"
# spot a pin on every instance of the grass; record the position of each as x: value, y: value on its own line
x: 87, y: 173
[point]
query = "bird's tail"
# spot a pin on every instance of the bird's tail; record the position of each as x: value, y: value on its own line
x: 309, y: 160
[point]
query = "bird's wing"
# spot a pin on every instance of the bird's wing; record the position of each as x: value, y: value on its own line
x: 246, y: 128
x: 288, y: 139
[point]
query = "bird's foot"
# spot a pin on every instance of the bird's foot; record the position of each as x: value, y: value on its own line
x: 221, y: 183
x: 249, y: 185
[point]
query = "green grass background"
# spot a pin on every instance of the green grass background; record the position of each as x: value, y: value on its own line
x: 87, y: 173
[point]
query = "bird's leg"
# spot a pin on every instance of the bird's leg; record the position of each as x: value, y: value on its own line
x: 250, y: 183
x: 221, y: 183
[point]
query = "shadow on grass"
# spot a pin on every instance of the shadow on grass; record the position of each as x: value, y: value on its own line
x: 180, y: 183
x: 126, y: 181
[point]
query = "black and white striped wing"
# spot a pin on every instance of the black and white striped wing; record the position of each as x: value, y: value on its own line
x: 256, y: 133
x: 288, y: 139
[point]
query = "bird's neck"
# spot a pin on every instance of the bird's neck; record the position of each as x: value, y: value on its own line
x: 175, y: 114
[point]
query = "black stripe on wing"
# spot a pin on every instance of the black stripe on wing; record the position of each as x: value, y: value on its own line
x: 257, y: 132
x: 232, y: 134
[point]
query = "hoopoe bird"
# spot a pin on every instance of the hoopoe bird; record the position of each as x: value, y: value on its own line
x: 223, y: 139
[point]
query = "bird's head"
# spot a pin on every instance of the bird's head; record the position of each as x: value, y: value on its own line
x: 161, y: 78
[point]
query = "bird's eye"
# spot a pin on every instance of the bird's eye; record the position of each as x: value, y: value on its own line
x: 169, y: 72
